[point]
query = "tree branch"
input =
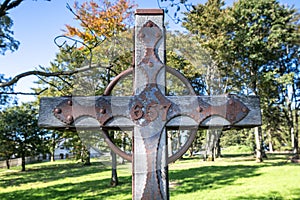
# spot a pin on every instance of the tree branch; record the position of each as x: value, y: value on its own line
x: 49, y: 83
x: 48, y: 74
x: 25, y: 93
x: 69, y: 84
x: 9, y: 4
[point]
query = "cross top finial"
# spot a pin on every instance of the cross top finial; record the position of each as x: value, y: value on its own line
x: 149, y: 11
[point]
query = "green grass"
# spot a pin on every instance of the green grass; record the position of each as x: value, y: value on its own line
x: 231, y: 177
x: 238, y: 149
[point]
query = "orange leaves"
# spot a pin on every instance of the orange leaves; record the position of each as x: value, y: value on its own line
x: 99, y: 21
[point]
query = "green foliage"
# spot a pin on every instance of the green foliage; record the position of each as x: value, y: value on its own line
x: 238, y: 149
x: 186, y: 56
x: 69, y: 58
x: 237, y: 138
x: 5, y: 98
x: 255, y: 47
x: 7, y: 42
x: 20, y: 132
x: 208, y: 23
x: 7, y: 143
x: 262, y: 32
x: 245, y: 38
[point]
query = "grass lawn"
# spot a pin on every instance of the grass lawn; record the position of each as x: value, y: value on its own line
x: 231, y: 177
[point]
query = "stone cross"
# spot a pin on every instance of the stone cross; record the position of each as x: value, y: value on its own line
x: 149, y: 112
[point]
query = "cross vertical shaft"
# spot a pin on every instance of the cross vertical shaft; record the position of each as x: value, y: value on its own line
x: 150, y: 172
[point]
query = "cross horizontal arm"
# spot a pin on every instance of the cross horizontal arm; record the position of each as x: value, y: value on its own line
x: 85, y: 111
x: 227, y: 111
x: 114, y: 112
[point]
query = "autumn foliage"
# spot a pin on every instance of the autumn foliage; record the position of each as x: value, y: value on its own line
x: 99, y: 21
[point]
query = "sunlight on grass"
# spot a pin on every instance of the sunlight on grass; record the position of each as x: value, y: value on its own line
x: 231, y: 177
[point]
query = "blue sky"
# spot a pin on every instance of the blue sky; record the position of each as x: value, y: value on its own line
x: 36, y: 24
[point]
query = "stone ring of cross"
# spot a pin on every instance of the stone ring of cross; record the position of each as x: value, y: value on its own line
x: 191, y: 136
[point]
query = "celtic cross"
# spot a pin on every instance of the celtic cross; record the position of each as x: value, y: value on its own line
x: 149, y: 111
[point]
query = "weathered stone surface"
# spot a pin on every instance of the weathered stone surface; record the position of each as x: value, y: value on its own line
x: 119, y: 107
x: 149, y: 112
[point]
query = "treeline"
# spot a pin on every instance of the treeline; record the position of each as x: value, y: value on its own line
x: 248, y: 48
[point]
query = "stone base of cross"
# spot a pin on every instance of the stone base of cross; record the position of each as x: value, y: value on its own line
x: 149, y: 112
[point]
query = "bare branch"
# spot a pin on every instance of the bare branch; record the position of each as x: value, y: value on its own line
x: 3, y: 7
x: 75, y: 44
x: 13, y: 4
x: 49, y: 83
x: 48, y: 74
x: 10, y: 4
x: 66, y: 82
x: 25, y: 93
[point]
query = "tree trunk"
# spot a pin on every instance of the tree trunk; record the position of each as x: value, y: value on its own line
x: 52, y: 151
x: 191, y: 150
x: 270, y: 141
x: 114, y: 176
x: 181, y: 141
x: 218, y: 145
x: 170, y: 145
x: 86, y: 156
x: 7, y: 163
x: 123, y: 147
x: 258, y: 143
x: 213, y: 155
x: 178, y: 140
x: 206, y: 151
x: 211, y: 147
x: 296, y: 156
x: 23, y: 161
x: 216, y: 149
x: 292, y: 139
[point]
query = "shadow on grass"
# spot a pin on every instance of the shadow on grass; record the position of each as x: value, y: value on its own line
x: 209, y: 177
x: 274, y: 195
x: 96, y: 189
x: 49, y: 173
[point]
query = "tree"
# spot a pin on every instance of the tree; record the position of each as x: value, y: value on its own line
x: 7, y: 143
x: 100, y: 21
x: 215, y: 81
x: 265, y: 38
x: 101, y: 26
x: 19, y: 126
x: 251, y: 37
x: 7, y: 42
x: 56, y: 136
x: 88, y: 32
x: 5, y: 98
